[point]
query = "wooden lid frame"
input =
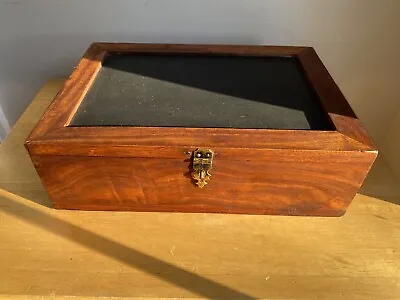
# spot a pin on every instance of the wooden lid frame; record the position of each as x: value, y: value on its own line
x: 52, y: 136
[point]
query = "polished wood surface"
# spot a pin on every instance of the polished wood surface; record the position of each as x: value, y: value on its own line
x: 333, y: 101
x: 320, y: 184
x: 52, y: 254
x: 52, y: 133
x: 261, y: 171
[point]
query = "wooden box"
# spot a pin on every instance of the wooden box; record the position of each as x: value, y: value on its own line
x: 201, y: 128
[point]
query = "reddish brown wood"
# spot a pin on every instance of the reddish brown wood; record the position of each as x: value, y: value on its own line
x: 52, y: 126
x: 313, y: 183
x: 260, y: 171
x: 203, y: 49
x: 64, y: 105
x: 163, y: 142
x: 332, y: 99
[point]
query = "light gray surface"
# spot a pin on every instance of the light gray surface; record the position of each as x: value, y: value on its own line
x: 43, y: 39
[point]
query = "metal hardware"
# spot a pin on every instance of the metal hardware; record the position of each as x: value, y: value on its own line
x: 202, y: 164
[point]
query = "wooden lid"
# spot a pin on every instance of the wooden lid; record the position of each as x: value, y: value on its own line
x: 152, y: 100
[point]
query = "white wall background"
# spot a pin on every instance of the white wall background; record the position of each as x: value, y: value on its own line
x: 358, y: 40
x: 391, y: 144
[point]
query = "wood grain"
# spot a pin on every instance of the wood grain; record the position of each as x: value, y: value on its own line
x: 70, y: 95
x: 63, y: 254
x: 146, y: 144
x: 260, y: 171
x: 318, y: 184
x: 52, y: 131
x: 332, y: 99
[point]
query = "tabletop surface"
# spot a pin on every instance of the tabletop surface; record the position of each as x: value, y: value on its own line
x: 48, y: 254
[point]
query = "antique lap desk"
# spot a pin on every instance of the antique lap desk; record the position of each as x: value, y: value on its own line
x: 201, y: 128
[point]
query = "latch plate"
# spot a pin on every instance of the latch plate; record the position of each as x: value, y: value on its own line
x: 202, y: 164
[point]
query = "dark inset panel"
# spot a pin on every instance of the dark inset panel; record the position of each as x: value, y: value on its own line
x: 201, y: 91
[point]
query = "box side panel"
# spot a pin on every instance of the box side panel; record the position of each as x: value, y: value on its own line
x: 308, y: 183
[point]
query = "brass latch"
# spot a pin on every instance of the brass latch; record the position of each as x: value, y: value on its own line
x: 202, y: 164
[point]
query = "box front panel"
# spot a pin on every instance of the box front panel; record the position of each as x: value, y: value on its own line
x: 286, y: 183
